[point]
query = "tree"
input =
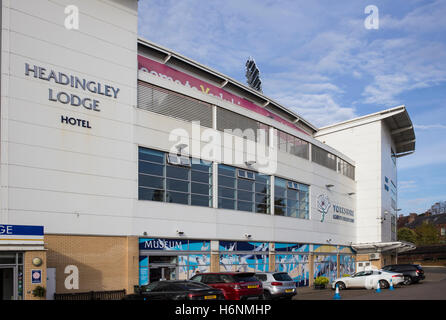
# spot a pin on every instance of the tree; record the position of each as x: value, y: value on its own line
x: 427, y: 234
x: 408, y: 235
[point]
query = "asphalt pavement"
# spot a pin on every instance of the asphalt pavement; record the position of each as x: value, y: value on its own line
x: 431, y: 288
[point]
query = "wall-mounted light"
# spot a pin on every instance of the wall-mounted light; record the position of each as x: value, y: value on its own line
x: 180, y: 147
x: 250, y: 163
x: 351, y: 193
x: 144, y: 233
x: 329, y: 240
x: 248, y: 236
x: 180, y: 233
x: 328, y: 186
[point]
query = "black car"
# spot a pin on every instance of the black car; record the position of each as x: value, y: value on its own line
x: 176, y: 290
x: 412, y: 273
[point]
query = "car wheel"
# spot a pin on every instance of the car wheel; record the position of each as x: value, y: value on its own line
x: 407, y: 280
x: 341, y: 285
x: 383, y: 284
x: 266, y: 295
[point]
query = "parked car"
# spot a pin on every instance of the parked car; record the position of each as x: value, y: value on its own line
x: 369, y: 279
x: 412, y: 273
x: 277, y: 285
x: 176, y: 290
x: 235, y: 285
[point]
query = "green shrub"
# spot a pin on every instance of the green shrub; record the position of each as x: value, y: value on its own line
x: 39, y: 291
x: 321, y: 281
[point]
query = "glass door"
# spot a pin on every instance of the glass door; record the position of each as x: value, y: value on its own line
x: 7, y: 283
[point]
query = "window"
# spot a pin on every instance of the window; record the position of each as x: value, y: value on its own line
x: 323, y: 157
x: 242, y: 126
x: 346, y: 169
x: 176, y: 179
x: 292, y: 145
x: 243, y: 190
x: 291, y: 199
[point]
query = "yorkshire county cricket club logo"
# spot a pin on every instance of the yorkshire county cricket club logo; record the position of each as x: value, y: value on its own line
x: 323, y: 205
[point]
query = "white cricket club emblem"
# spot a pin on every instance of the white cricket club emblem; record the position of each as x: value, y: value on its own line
x: 323, y: 205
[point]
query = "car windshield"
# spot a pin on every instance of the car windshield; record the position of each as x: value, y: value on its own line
x: 282, y: 277
x: 244, y: 278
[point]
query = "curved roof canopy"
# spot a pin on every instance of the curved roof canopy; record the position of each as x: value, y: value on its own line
x: 398, y: 121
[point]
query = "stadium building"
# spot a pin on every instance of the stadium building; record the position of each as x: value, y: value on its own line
x: 123, y: 162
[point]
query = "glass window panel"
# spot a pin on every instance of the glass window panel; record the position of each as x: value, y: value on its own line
x: 150, y: 194
x: 226, y: 181
x: 201, y: 166
x: 262, y: 178
x: 244, y: 206
x: 197, y: 176
x: 261, y: 208
x: 278, y: 182
x: 177, y: 185
x: 226, y: 192
x: 245, y: 184
x: 226, y: 170
x: 151, y: 155
x: 177, y: 172
x: 292, y: 194
x: 292, y: 203
x: 262, y: 188
x: 226, y: 203
x: 291, y: 212
x: 261, y: 198
x: 279, y: 192
x: 279, y: 211
x: 244, y: 195
x: 177, y: 197
x: 203, y: 201
x: 201, y: 188
x: 279, y: 201
x: 150, y: 181
x: 151, y: 168
x: 303, y: 196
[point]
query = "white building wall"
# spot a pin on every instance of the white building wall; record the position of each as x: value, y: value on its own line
x: 363, y: 143
x: 68, y: 178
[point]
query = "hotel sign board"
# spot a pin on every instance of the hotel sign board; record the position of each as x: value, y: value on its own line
x: 21, y: 235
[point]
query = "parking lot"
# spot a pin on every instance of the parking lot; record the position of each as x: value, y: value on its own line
x: 431, y: 288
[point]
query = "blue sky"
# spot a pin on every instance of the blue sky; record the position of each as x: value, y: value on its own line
x: 318, y: 59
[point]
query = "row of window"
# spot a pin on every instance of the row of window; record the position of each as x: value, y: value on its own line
x: 172, y: 104
x: 169, y: 178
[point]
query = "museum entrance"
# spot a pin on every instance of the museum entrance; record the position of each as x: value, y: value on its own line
x: 162, y: 268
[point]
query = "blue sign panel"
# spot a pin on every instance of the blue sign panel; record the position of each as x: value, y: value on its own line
x: 36, y: 276
x: 6, y: 229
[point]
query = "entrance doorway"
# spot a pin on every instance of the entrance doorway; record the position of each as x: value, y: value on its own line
x: 6, y: 283
x: 162, y: 268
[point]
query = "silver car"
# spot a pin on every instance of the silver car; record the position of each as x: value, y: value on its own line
x: 277, y: 285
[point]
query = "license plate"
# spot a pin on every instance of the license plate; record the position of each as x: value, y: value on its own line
x: 252, y: 287
x: 210, y: 297
x: 289, y: 290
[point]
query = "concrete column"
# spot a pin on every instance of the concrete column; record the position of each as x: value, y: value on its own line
x: 311, y: 268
